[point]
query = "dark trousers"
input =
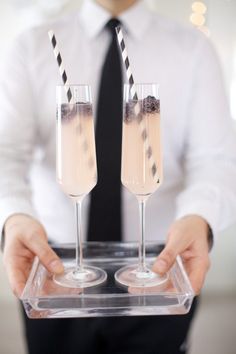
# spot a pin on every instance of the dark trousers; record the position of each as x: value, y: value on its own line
x: 111, y: 335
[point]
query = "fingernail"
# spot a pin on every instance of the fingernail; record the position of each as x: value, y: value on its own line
x: 161, y: 266
x: 56, y: 266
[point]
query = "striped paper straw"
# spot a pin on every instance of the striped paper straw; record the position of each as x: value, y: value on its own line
x: 143, y: 130
x: 69, y: 95
x: 60, y: 64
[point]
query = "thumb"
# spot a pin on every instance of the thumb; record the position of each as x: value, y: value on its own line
x: 167, y: 257
x: 39, y: 246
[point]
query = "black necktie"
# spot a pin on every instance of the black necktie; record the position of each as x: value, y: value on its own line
x: 105, y: 207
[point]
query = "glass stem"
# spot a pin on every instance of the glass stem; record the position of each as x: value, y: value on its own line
x: 78, y: 250
x: 142, y: 263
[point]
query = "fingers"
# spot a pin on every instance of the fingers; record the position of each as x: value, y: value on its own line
x: 197, y: 269
x: 187, y: 236
x: 17, y: 279
x: 40, y: 247
x: 26, y: 238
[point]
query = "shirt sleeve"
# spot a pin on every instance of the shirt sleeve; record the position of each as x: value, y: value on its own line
x: 17, y: 134
x: 209, y: 156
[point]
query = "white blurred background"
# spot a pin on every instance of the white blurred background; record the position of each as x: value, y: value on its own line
x: 214, y: 327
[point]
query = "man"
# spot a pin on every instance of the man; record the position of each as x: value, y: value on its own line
x: 198, y: 195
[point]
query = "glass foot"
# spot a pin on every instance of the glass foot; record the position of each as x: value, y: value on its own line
x: 81, y: 278
x: 135, y: 276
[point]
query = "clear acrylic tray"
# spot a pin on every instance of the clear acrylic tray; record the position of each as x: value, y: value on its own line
x: 42, y: 298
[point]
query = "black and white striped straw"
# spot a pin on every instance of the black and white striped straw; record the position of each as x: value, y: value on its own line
x: 143, y: 130
x: 69, y: 95
x: 62, y: 71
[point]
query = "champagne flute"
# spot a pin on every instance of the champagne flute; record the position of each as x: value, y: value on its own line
x: 77, y: 171
x: 141, y: 168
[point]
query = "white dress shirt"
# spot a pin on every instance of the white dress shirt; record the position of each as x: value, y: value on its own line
x: 199, y: 149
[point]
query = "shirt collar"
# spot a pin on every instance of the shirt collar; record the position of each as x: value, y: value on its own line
x: 135, y: 20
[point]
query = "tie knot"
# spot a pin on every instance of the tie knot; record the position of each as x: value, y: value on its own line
x: 112, y: 24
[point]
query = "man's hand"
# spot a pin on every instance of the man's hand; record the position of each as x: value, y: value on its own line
x: 26, y: 238
x: 187, y: 237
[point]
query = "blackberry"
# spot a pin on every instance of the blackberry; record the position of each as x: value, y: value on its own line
x: 151, y: 105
